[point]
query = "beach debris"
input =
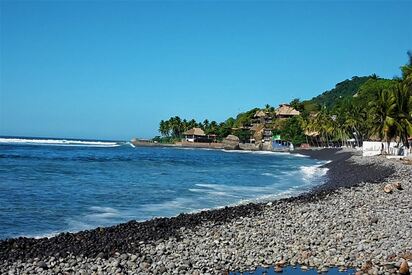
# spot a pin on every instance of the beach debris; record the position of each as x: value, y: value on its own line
x: 404, y: 268
x: 390, y: 187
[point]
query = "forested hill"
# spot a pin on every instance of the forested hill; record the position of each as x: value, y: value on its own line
x: 348, y: 87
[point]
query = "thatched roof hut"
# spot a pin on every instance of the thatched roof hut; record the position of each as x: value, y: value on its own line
x: 194, y: 132
x: 285, y: 111
x: 260, y: 113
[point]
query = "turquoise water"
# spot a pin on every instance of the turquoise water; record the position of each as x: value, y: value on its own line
x: 50, y: 186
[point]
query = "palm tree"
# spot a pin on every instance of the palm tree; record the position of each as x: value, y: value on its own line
x: 176, y: 126
x: 206, y: 125
x: 355, y: 118
x: 191, y: 124
x: 185, y: 125
x: 213, y: 127
x: 164, y: 128
x: 403, y: 121
x: 382, y: 115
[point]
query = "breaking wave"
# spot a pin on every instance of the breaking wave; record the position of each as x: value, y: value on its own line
x: 58, y: 142
x: 314, y: 171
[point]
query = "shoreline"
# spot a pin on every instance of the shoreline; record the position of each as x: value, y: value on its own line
x: 135, y: 239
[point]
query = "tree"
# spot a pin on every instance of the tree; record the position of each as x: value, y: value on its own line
x: 164, y: 128
x: 206, y: 124
x: 295, y: 103
x: 176, y: 126
x: 191, y: 124
x: 403, y: 112
x: 293, y: 131
x: 382, y: 111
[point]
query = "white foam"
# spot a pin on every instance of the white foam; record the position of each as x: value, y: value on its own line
x: 102, y: 213
x: 46, y: 235
x: 236, y: 189
x: 264, y: 153
x: 58, y: 142
x: 311, y: 172
x: 270, y: 175
x: 211, y: 192
x: 178, y: 203
x: 300, y: 155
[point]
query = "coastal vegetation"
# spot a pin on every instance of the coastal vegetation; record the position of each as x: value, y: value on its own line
x: 356, y: 109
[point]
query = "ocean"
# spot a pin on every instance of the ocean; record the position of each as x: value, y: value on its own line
x: 48, y: 186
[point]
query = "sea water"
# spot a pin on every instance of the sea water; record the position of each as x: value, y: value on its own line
x: 48, y: 186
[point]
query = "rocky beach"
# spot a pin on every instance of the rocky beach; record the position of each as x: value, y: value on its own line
x: 351, y: 221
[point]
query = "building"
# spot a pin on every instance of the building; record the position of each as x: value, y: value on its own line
x: 262, y: 117
x: 195, y: 135
x: 198, y: 135
x: 286, y: 111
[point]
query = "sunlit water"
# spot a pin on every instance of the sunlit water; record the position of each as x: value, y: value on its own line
x: 47, y: 187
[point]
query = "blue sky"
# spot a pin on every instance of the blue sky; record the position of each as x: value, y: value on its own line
x: 113, y: 70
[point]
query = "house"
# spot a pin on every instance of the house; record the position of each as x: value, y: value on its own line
x: 198, y: 135
x: 195, y: 135
x: 286, y: 111
x: 262, y: 117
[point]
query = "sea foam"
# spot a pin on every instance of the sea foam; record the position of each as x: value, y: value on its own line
x: 58, y: 142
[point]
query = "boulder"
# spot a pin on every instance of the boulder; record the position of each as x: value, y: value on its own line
x: 404, y: 268
x: 390, y: 187
x: 231, y: 142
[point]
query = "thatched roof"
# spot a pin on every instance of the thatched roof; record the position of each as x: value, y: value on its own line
x: 286, y: 110
x: 311, y: 133
x: 194, y: 132
x: 260, y: 113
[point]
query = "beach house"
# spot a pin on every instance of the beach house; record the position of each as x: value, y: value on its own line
x: 195, y: 135
x: 286, y: 111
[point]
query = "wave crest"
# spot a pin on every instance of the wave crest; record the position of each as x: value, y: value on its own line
x: 58, y: 142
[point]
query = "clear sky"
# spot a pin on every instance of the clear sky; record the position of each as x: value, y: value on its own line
x: 114, y: 69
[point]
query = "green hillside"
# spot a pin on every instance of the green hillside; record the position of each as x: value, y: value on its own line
x: 346, y: 88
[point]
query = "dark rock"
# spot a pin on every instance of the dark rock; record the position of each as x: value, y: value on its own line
x: 373, y: 220
x: 42, y: 264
